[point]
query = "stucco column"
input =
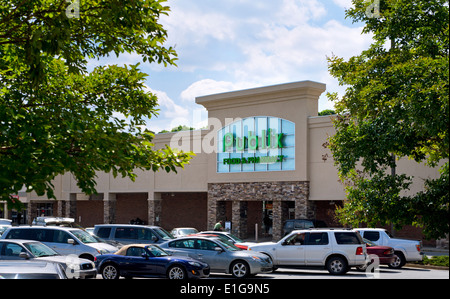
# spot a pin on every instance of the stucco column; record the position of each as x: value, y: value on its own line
x: 154, y: 208
x: 109, y: 208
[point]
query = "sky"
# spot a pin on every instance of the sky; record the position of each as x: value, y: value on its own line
x: 229, y: 45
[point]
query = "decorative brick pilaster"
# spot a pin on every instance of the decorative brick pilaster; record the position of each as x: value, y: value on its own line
x: 280, y: 193
x: 154, y: 209
x: 109, y: 208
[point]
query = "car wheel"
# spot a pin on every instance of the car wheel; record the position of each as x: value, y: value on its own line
x: 240, y: 269
x: 398, y: 262
x: 176, y: 272
x: 337, y: 265
x: 110, y: 271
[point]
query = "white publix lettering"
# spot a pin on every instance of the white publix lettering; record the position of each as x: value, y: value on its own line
x: 193, y: 289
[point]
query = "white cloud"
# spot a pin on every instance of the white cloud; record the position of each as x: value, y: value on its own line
x: 343, y: 3
x: 237, y: 44
x: 210, y: 86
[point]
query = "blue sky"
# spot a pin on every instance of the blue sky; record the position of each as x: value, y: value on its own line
x: 226, y: 45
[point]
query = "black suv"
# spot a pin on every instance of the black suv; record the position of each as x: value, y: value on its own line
x: 293, y: 224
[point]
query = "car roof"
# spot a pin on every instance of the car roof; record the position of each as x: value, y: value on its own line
x: 128, y: 225
x: 44, y: 227
x: 123, y: 249
x: 18, y: 241
x: 313, y: 229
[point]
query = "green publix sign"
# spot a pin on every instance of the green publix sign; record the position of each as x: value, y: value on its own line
x: 268, y: 140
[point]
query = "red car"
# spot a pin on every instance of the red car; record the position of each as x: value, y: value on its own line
x: 385, y: 253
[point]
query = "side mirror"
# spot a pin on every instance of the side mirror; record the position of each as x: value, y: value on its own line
x: 218, y: 249
x: 71, y: 241
x: 144, y: 255
x: 155, y: 239
x: 24, y: 255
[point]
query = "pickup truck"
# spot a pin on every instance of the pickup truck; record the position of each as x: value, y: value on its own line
x: 404, y: 250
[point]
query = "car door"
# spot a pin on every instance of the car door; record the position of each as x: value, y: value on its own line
x: 10, y: 251
x: 206, y: 251
x: 183, y: 247
x: 317, y: 247
x: 292, y: 250
x: 137, y: 264
x: 58, y: 241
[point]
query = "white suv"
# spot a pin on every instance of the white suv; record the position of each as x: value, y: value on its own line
x: 64, y: 240
x: 335, y: 249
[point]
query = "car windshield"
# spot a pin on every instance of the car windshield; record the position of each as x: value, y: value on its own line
x: 235, y: 239
x: 156, y: 251
x: 84, y: 236
x: 162, y: 233
x: 228, y: 245
x: 188, y: 231
x: 39, y: 249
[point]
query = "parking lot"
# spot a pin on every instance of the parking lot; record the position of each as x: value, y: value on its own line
x: 382, y: 273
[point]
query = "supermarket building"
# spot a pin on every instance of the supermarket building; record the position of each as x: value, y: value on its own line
x: 263, y: 160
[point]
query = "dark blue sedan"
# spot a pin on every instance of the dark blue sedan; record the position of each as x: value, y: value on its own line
x: 140, y: 260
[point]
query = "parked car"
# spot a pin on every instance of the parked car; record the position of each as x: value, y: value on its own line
x: 183, y: 231
x: 221, y: 257
x: 230, y: 238
x: 404, y: 250
x: 34, y: 250
x: 64, y: 240
x: 31, y: 269
x: 335, y: 249
x: 4, y: 225
x: 295, y: 224
x: 140, y: 260
x: 132, y: 234
x: 384, y: 254
x: 55, y: 221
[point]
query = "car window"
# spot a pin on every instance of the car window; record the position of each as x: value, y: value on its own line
x: 103, y: 232
x: 144, y: 234
x: 135, y: 251
x: 39, y: 249
x: 126, y: 233
x: 156, y: 251
x: 295, y: 239
x: 11, y: 249
x: 84, y: 236
x: 299, y: 224
x: 60, y: 236
x: 189, y: 244
x: 372, y: 235
x: 162, y: 233
x: 206, y: 245
x: 319, y: 238
x: 289, y: 225
x: 348, y: 238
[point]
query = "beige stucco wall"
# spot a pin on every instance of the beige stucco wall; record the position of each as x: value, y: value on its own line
x: 296, y: 102
x: 293, y: 101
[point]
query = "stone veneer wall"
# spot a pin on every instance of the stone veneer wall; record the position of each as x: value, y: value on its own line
x: 239, y: 193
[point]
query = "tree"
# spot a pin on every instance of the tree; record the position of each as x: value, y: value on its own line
x: 396, y: 105
x: 55, y: 117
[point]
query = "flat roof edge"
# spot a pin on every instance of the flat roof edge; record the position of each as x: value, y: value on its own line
x: 308, y: 85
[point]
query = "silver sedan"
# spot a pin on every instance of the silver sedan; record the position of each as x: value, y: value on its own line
x: 221, y: 256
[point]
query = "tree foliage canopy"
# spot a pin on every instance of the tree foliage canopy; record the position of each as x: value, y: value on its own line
x: 396, y: 104
x: 55, y: 116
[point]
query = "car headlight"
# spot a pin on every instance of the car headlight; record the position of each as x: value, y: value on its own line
x: 255, y: 258
x: 195, y: 264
